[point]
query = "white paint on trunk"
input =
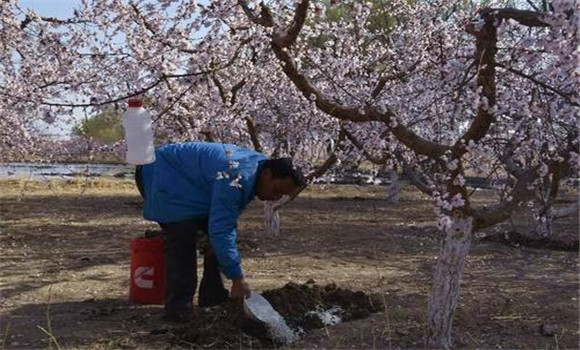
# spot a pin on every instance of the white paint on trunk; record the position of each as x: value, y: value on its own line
x: 544, y: 224
x: 394, y: 187
x: 271, y: 218
x: 446, y: 283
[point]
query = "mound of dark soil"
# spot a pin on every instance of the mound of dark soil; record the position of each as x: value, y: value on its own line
x: 222, y: 327
x: 227, y: 327
x: 295, y: 302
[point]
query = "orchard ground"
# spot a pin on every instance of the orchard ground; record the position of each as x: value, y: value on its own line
x: 65, y: 266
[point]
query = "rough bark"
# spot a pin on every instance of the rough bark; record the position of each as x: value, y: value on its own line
x: 254, y: 135
x: 486, y: 48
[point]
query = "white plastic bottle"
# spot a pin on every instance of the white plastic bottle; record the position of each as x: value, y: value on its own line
x: 138, y: 133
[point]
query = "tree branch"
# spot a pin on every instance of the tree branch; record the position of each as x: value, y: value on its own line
x: 29, y: 19
x: 168, y: 108
x: 532, y: 5
x: 154, y: 32
x: 416, y: 178
x: 376, y: 160
x: 288, y: 37
x: 400, y: 76
x: 142, y: 18
x: 218, y: 67
x: 523, y: 17
x: 254, y: 135
x: 265, y: 19
x: 220, y: 88
x: 323, y: 168
x: 536, y: 81
x: 405, y: 135
x: 487, y: 217
x: 486, y: 48
x: 521, y: 193
x: 208, y: 135
x: 97, y: 104
x: 410, y: 173
x: 235, y: 90
x: 161, y: 79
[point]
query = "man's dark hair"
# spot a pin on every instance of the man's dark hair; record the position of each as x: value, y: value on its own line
x: 282, y: 167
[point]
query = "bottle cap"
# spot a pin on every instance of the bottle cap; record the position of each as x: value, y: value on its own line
x: 135, y: 102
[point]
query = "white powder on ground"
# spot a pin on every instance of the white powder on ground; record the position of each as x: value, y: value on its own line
x: 329, y: 317
x: 279, y: 329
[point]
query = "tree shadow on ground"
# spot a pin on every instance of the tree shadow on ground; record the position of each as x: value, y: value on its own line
x: 110, y: 323
x: 516, y: 239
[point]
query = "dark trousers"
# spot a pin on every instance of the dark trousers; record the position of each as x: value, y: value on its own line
x: 181, y: 268
x: 181, y: 265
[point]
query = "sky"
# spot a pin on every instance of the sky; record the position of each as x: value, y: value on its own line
x: 52, y: 8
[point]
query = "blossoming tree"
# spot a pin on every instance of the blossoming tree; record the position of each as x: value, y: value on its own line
x: 444, y: 91
x: 448, y: 106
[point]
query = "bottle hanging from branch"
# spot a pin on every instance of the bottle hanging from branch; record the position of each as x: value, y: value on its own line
x: 138, y: 133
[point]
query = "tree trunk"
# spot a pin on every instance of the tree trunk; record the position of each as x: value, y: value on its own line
x: 271, y: 218
x: 447, y: 280
x: 544, y: 224
x: 394, y: 187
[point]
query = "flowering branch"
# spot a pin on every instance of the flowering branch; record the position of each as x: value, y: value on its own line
x: 523, y: 17
x: 265, y: 19
x: 287, y: 38
x: 523, y: 191
x: 540, y: 83
x: 486, y: 48
x: 396, y: 76
x: 372, y: 158
x: 29, y: 19
x: 279, y: 43
x: 254, y: 136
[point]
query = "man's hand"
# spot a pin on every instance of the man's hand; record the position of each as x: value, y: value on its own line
x: 240, y: 289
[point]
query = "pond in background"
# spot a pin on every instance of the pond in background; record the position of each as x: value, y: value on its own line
x: 45, y: 171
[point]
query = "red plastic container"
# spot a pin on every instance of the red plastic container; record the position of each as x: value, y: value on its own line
x: 147, y: 271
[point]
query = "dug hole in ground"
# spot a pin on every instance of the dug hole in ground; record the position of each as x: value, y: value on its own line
x: 65, y: 274
x: 304, y: 308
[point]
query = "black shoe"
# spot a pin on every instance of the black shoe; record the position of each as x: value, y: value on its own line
x: 178, y: 317
x: 213, y: 299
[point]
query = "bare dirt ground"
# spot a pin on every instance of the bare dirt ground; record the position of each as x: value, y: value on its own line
x: 64, y: 280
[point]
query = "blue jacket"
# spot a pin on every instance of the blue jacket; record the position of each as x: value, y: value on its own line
x: 196, y: 180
